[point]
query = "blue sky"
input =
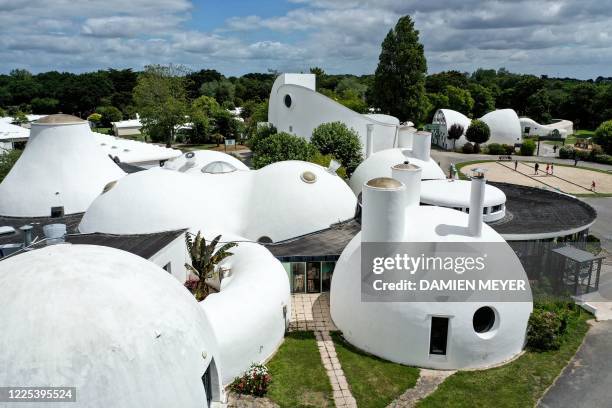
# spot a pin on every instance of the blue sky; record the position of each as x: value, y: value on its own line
x: 555, y: 37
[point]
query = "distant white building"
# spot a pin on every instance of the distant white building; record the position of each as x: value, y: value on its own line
x: 295, y: 107
x: 10, y: 135
x: 561, y: 127
x: 130, y: 127
x: 504, y: 124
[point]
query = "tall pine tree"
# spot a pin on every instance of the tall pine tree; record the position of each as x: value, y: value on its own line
x: 399, y: 82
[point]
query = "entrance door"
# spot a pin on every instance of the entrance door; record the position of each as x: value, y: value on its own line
x: 439, y: 335
x: 207, y: 381
x: 313, y: 277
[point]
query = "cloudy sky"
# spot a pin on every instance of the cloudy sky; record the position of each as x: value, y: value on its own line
x: 556, y: 37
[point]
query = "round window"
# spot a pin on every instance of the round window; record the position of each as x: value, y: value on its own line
x: 265, y: 240
x: 483, y: 320
x: 308, y: 177
x: 288, y: 100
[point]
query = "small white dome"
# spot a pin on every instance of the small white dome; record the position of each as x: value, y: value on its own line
x: 218, y: 167
x: 505, y: 126
x: 120, y: 329
x: 379, y: 165
x: 195, y: 161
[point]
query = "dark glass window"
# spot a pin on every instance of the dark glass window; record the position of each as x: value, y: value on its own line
x: 288, y: 100
x: 483, y: 320
x: 439, y: 335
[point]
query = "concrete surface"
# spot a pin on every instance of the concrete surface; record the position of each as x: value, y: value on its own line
x: 587, y: 380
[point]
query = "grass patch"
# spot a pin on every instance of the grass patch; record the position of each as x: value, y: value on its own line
x: 374, y: 382
x: 520, y: 383
x: 298, y: 376
x: 190, y: 147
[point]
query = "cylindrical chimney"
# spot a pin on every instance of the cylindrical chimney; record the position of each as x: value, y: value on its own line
x: 383, y: 208
x: 477, y: 193
x: 410, y: 176
x: 405, y: 137
x: 27, y: 235
x: 421, y: 145
x: 369, y: 140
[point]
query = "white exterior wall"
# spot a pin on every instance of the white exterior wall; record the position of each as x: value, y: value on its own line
x: 565, y: 127
x: 117, y: 327
x: 175, y: 254
x: 399, y: 331
x: 310, y: 109
x: 250, y: 313
x: 505, y: 126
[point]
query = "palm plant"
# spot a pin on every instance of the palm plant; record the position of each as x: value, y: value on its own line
x: 204, y: 258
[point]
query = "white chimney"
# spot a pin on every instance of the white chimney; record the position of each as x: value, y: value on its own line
x: 477, y: 193
x: 421, y: 145
x: 405, y: 137
x: 383, y: 210
x: 369, y: 140
x: 410, y: 176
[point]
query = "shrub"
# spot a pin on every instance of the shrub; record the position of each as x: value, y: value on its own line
x: 603, y: 158
x: 324, y: 160
x: 338, y: 140
x: 566, y: 152
x: 603, y: 136
x: 468, y: 148
x: 527, y: 148
x: 279, y: 147
x: 255, y: 381
x: 455, y: 132
x: 508, y: 149
x: 583, y: 154
x: 543, y: 330
x: 495, y: 148
x: 478, y: 132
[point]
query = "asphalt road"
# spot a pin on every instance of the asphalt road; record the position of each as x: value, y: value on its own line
x: 587, y: 380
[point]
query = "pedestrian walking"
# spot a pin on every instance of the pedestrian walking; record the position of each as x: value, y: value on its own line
x: 555, y: 149
x: 593, y: 185
x: 537, y: 166
x: 547, y: 168
x: 552, y: 169
x: 515, y: 164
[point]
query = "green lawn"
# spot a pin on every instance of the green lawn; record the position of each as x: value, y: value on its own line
x: 190, y: 147
x: 298, y: 376
x: 374, y: 382
x: 517, y: 384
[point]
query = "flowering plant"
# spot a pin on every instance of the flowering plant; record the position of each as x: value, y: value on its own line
x: 255, y: 381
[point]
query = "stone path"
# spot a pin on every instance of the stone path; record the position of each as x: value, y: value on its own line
x: 311, y: 312
x: 426, y: 384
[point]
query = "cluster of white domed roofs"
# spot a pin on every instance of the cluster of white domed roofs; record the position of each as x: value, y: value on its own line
x: 61, y: 166
x: 504, y: 125
x: 120, y: 329
x: 277, y: 202
x: 400, y: 331
x: 134, y: 151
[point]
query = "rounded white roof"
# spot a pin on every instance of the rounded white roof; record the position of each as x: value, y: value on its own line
x: 196, y: 160
x: 120, y: 329
x: 505, y: 126
x: 60, y: 166
x: 379, y: 117
x: 277, y: 201
x: 379, y: 165
x: 134, y: 151
x: 450, y: 117
x: 456, y: 193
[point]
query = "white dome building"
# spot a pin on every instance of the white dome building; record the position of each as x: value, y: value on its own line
x: 118, y: 328
x: 195, y: 161
x: 379, y: 164
x: 434, y: 334
x: 505, y: 126
x: 61, y: 168
x: 455, y: 194
x: 280, y: 201
x: 533, y: 128
x: 447, y: 118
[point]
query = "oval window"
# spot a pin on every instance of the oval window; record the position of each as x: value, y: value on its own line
x: 288, y: 100
x: 483, y: 320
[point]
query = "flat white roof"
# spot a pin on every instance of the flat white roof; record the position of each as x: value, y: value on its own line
x: 456, y: 193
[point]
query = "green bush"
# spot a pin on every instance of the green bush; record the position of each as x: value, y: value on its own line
x: 543, y: 330
x: 583, y: 154
x: 338, y: 140
x: 324, y: 160
x: 495, y: 148
x: 527, y: 148
x: 7, y: 161
x: 281, y: 146
x: 468, y: 148
x: 603, y: 136
x: 566, y: 152
x: 478, y: 132
x: 508, y: 149
x: 603, y: 158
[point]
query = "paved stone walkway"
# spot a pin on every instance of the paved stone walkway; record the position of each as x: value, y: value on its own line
x: 311, y: 312
x: 426, y: 384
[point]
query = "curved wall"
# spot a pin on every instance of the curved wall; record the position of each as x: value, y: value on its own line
x: 309, y: 109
